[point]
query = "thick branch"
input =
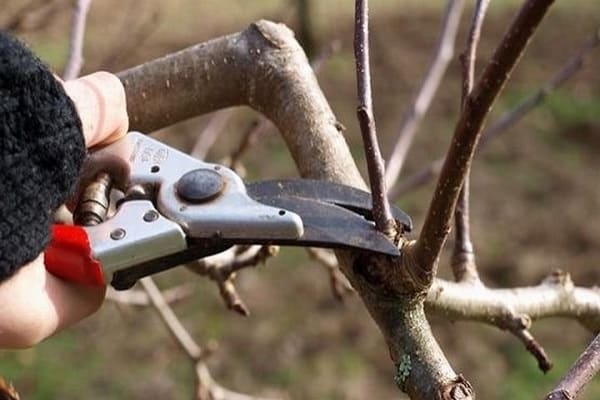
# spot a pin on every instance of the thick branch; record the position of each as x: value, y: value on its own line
x: 265, y: 68
x: 584, y: 369
x: 420, y: 363
x: 414, y: 115
x: 468, y: 129
x: 556, y: 296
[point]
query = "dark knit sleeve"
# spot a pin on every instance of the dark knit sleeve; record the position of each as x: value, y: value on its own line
x: 41, y: 152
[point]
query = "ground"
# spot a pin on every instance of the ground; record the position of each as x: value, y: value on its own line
x: 535, y: 194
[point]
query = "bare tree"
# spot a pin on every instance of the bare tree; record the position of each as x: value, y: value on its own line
x: 267, y: 70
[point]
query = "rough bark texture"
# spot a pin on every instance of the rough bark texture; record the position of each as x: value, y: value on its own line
x: 265, y: 68
x: 262, y: 67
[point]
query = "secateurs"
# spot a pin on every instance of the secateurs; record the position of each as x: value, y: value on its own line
x: 175, y: 209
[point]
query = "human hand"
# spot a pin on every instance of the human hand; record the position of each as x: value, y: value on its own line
x: 33, y: 303
x: 101, y: 105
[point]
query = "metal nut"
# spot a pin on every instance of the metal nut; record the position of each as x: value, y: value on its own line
x: 118, y: 234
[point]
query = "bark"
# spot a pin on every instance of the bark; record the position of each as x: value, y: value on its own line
x: 468, y: 130
x: 556, y: 296
x: 265, y: 68
x: 584, y: 369
x: 262, y: 67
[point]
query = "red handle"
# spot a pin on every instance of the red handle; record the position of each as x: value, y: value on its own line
x: 69, y: 256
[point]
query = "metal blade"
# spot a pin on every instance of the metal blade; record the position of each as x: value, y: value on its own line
x: 327, y: 225
x: 124, y: 279
x: 344, y: 196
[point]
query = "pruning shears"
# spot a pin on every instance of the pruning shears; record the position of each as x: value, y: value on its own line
x: 174, y: 209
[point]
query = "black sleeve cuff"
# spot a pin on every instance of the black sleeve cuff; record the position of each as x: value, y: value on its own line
x: 41, y: 152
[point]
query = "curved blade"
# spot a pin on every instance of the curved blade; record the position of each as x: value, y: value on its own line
x: 327, y: 225
x: 344, y: 196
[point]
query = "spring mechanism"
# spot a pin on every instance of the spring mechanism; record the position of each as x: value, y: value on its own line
x: 94, y: 202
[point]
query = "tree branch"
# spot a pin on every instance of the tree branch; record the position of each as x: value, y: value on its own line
x: 570, y: 68
x: 584, y: 369
x: 75, y: 60
x: 467, y: 132
x: 181, y: 335
x: 463, y: 256
x: 265, y: 68
x: 33, y: 15
x: 222, y: 267
x: 206, y: 139
x: 206, y: 387
x: 414, y: 115
x: 139, y: 298
x: 506, y: 120
x: 137, y: 31
x: 382, y: 213
x: 340, y: 287
x: 555, y: 296
x: 262, y: 67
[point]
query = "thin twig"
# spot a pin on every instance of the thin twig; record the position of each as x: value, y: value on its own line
x: 532, y: 346
x: 518, y: 325
x: 582, y: 371
x: 570, y: 68
x: 136, y: 36
x: 206, y: 139
x: 382, y: 214
x: 206, y: 387
x: 324, y: 55
x: 181, y: 335
x: 139, y: 298
x: 414, y: 115
x: 340, y: 287
x: 506, y: 120
x: 75, y: 60
x: 463, y: 256
x: 221, y: 268
x: 257, y: 129
x: 468, y: 130
x: 40, y: 10
x: 469, y: 56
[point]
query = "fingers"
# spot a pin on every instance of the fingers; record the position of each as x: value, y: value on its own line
x: 34, y: 305
x: 101, y: 105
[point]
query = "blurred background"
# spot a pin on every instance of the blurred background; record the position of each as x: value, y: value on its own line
x: 535, y: 207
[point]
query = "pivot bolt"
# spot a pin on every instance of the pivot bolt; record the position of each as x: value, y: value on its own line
x: 200, y: 185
